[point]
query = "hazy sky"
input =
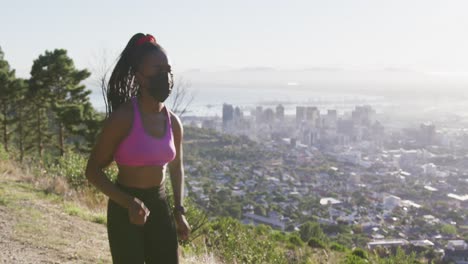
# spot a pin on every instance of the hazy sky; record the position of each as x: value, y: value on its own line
x: 394, y: 35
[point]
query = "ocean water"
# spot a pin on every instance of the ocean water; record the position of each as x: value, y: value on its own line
x: 208, y: 101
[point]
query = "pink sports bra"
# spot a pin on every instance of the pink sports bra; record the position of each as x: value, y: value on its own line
x: 142, y: 149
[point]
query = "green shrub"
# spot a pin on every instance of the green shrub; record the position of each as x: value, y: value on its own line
x: 295, y: 240
x: 400, y: 257
x: 263, y: 229
x: 278, y: 236
x: 359, y: 252
x: 353, y: 259
x: 235, y: 242
x: 3, y: 154
x: 337, y: 247
x: 72, y: 166
x: 316, y: 243
x: 311, y: 229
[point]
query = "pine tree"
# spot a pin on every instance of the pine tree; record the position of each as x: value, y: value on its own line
x: 92, y: 122
x: 6, y: 90
x: 55, y: 82
x: 22, y: 111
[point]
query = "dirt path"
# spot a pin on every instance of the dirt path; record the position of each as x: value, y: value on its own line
x: 35, y: 228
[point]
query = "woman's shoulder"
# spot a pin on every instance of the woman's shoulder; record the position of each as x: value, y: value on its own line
x: 124, y: 111
x: 175, y: 121
x: 121, y: 118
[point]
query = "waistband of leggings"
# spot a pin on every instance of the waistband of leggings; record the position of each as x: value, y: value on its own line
x: 136, y: 190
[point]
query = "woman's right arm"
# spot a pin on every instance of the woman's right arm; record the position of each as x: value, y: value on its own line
x: 114, y: 130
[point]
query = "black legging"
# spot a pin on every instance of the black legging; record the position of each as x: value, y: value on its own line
x: 154, y: 242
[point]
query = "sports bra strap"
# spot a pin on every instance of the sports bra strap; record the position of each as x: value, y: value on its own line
x: 136, y: 114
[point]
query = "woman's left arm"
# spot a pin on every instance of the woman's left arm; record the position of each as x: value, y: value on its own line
x: 176, y: 170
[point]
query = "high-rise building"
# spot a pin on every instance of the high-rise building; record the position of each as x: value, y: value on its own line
x: 345, y: 126
x: 312, y: 113
x: 312, y: 116
x: 269, y: 115
x: 280, y: 112
x: 228, y: 114
x: 363, y: 115
x: 258, y: 114
x: 427, y: 134
x: 330, y: 120
x: 300, y: 114
x: 238, y: 114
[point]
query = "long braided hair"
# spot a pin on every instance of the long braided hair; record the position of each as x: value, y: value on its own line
x: 122, y: 84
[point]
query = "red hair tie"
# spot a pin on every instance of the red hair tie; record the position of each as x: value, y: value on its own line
x: 144, y: 39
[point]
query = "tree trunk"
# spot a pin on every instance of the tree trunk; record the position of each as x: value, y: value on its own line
x: 61, y: 138
x: 5, y: 132
x: 20, y: 133
x: 39, y: 132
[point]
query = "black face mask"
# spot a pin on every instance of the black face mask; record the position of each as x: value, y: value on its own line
x: 160, y: 86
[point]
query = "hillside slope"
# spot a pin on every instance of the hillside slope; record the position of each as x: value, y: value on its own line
x: 40, y: 228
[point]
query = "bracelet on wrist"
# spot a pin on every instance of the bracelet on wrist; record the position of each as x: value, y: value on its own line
x: 179, y: 209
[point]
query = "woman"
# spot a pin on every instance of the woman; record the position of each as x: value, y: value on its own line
x: 143, y: 137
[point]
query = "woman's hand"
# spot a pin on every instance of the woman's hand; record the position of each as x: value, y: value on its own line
x: 183, y: 227
x: 138, y: 212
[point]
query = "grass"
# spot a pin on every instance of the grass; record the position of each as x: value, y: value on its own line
x: 53, y: 189
x: 30, y: 228
x: 12, y: 193
x: 3, y: 200
x: 38, y: 218
x: 75, y: 210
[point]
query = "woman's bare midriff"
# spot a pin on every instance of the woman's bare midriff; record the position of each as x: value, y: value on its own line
x: 141, y: 177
